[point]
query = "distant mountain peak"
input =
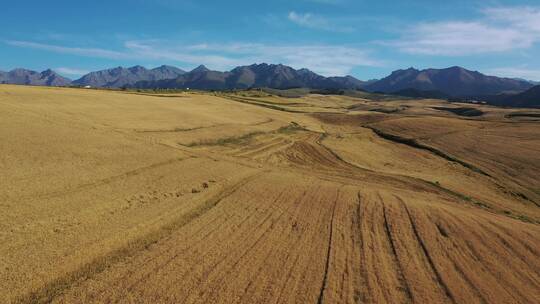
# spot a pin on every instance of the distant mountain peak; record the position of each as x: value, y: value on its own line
x: 408, y: 70
x: 48, y: 72
x: 168, y: 69
x: 120, y: 76
x: 29, y: 77
x: 164, y: 66
x: 277, y: 76
x: 200, y: 69
x: 454, y: 81
x: 136, y: 68
x: 304, y: 71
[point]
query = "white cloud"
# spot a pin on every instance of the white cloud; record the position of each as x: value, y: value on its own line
x: 323, y: 59
x: 516, y: 72
x: 526, y: 18
x: 312, y: 21
x: 307, y: 20
x: 329, y: 60
x: 90, y: 52
x: 500, y: 30
x: 190, y: 54
x: 71, y: 71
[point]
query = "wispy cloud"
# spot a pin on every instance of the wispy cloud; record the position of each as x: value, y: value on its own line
x: 323, y: 59
x: 498, y: 30
x: 89, y: 52
x: 328, y: 60
x: 517, y: 72
x: 525, y: 17
x: 309, y: 20
x: 71, y: 71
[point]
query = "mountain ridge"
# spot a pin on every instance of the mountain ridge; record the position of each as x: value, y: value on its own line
x: 526, y: 99
x: 119, y: 76
x: 28, y: 77
x: 453, y: 81
x: 276, y: 76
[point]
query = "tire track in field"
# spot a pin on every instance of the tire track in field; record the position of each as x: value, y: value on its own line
x: 395, y: 257
x: 105, y: 181
x: 483, y: 254
x: 519, y: 260
x: 427, y: 254
x: 456, y: 258
x: 320, y: 299
x: 253, y: 247
x: 357, y: 231
x: 229, y: 247
x: 56, y: 287
x: 131, y: 280
x: 226, y: 223
x: 302, y: 239
x: 250, y: 240
x: 463, y: 275
x: 379, y: 277
x: 162, y: 264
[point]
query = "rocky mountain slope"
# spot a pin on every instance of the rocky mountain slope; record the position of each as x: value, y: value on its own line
x: 28, y: 77
x: 257, y: 75
x: 120, y: 76
x: 453, y: 81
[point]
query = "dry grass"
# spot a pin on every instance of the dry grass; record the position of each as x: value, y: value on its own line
x: 141, y: 198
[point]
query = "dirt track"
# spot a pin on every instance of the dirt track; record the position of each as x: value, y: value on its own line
x: 219, y: 201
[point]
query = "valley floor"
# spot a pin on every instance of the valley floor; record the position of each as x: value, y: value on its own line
x: 116, y: 197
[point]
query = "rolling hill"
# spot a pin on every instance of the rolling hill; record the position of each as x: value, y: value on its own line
x: 527, y: 99
x: 414, y: 93
x: 245, y: 197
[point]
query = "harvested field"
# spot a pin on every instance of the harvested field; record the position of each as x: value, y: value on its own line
x: 112, y: 197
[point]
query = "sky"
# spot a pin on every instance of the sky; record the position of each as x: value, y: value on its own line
x: 366, y: 39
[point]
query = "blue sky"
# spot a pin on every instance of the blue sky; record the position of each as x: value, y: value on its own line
x: 366, y: 39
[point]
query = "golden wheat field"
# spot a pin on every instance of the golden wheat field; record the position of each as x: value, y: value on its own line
x: 123, y: 197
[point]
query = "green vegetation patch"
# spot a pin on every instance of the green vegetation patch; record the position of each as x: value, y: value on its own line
x: 232, y: 140
x: 463, y: 111
x: 246, y: 138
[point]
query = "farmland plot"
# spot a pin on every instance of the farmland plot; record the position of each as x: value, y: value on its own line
x: 111, y: 197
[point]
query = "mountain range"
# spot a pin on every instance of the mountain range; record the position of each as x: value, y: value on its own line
x: 527, y: 99
x: 453, y: 82
x: 120, y: 77
x: 28, y: 77
x: 275, y: 76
